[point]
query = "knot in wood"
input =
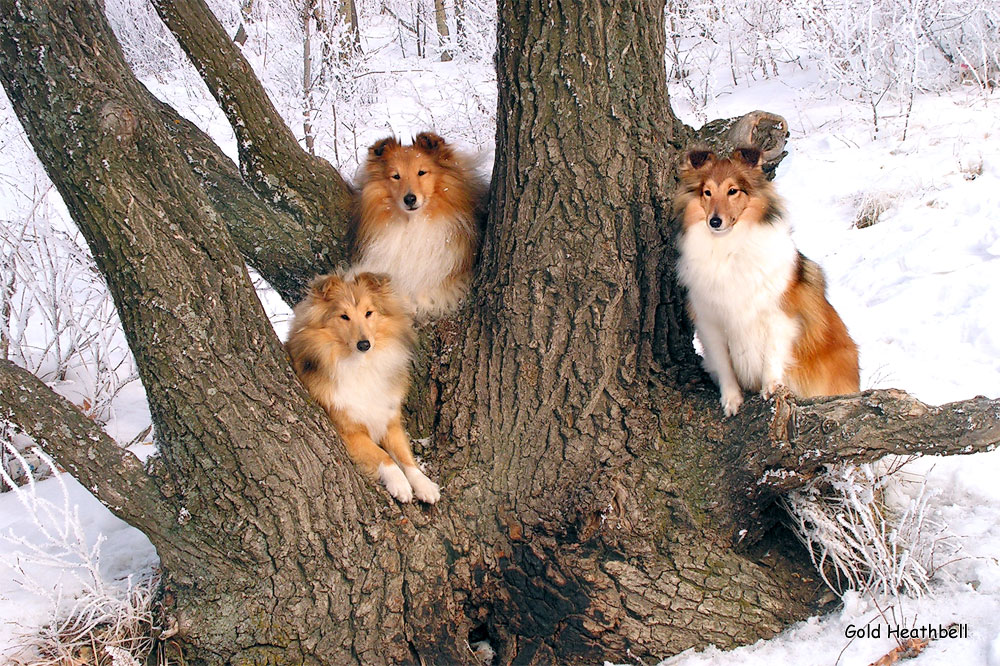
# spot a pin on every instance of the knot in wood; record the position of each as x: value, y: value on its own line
x: 118, y: 122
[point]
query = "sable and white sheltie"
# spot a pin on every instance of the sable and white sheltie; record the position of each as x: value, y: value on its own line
x: 350, y: 344
x: 418, y: 221
x: 759, y: 306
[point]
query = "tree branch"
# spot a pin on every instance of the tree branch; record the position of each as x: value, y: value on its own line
x: 233, y: 422
x: 285, y: 252
x: 114, y: 475
x: 869, y: 426
x: 789, y: 442
x: 271, y: 160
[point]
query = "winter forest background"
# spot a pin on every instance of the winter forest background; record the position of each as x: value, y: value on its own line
x: 893, y: 184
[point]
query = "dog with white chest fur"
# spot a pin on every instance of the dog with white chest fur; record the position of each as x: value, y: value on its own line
x: 351, y: 341
x: 759, y: 306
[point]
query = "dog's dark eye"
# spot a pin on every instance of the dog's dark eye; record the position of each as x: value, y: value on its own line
x: 420, y: 173
x: 707, y: 193
x: 733, y: 191
x: 395, y: 176
x: 345, y: 317
x: 368, y: 314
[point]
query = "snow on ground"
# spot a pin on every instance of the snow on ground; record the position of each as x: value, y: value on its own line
x: 35, y: 585
x: 919, y: 291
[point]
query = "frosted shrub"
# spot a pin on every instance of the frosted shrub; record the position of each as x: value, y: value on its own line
x: 376, y: 92
x: 859, y: 542
x: 868, y: 49
x: 710, y: 42
x: 888, y: 50
x: 149, y: 47
x: 967, y: 34
x: 878, y: 52
x: 870, y: 205
x: 95, y: 621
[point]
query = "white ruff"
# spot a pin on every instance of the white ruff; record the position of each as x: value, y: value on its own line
x: 418, y: 254
x: 368, y: 388
x: 735, y: 284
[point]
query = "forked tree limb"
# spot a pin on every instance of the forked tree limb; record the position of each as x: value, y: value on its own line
x: 78, y: 444
x: 271, y: 160
x: 284, y: 251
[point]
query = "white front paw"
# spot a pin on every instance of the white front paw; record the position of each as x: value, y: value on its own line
x: 424, y: 489
x: 395, y: 482
x: 731, y: 400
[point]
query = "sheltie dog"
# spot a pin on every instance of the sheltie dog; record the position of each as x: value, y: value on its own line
x: 350, y: 344
x: 418, y: 221
x: 759, y: 306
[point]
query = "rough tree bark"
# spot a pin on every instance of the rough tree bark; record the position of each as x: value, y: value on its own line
x: 596, y: 505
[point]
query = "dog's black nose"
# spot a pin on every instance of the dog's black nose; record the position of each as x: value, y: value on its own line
x: 364, y: 345
x: 410, y: 199
x: 715, y: 222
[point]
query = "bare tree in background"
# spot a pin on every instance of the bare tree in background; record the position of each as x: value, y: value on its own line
x: 444, y: 36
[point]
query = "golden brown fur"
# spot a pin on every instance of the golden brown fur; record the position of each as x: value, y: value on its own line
x: 824, y: 357
x: 759, y: 306
x: 350, y: 344
x: 726, y: 188
x: 418, y: 220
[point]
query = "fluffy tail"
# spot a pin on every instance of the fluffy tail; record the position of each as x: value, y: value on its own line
x: 825, y: 358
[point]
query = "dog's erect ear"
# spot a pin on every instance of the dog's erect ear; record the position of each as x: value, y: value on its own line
x: 700, y: 157
x: 429, y: 141
x: 379, y: 147
x: 326, y: 287
x: 749, y: 155
x: 375, y: 282
x: 379, y: 285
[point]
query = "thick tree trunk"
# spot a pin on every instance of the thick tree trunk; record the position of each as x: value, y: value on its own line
x: 595, y: 506
x: 272, y: 534
x: 562, y: 395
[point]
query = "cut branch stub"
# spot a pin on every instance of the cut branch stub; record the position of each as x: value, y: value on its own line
x: 767, y: 131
